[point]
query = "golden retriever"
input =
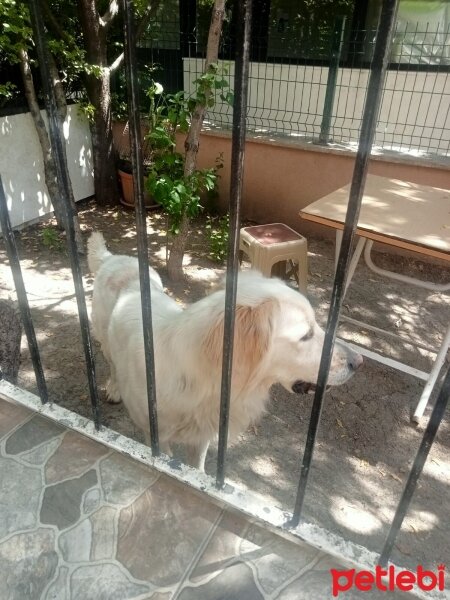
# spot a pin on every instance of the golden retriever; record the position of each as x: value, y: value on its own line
x: 277, y: 340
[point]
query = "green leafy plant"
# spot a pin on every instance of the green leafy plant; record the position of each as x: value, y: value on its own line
x: 87, y: 109
x: 51, y: 239
x: 180, y: 194
x: 208, y: 84
x: 217, y: 232
x: 7, y: 91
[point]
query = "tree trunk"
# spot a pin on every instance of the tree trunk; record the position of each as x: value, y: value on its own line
x: 191, y: 144
x: 178, y: 243
x: 105, y: 172
x: 177, y: 249
x: 62, y: 113
x: 50, y: 172
x: 99, y: 94
x: 49, y: 163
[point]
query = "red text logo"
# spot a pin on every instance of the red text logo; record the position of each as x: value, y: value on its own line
x: 387, y: 580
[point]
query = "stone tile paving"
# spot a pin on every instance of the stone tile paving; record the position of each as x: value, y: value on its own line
x: 79, y: 521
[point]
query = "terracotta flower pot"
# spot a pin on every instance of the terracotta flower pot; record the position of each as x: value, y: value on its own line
x: 127, y: 198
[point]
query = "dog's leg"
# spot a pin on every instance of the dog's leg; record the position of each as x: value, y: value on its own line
x: 163, y: 446
x: 165, y: 449
x: 196, y: 455
x: 112, y: 387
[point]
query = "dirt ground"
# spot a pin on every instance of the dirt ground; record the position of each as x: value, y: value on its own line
x: 366, y: 442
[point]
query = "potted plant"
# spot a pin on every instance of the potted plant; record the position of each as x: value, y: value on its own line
x: 125, y: 171
x: 149, y: 123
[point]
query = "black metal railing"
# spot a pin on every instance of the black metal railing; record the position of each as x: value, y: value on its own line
x: 63, y: 181
x: 378, y: 70
x: 374, y: 91
x: 141, y: 227
x: 24, y: 307
x: 237, y: 168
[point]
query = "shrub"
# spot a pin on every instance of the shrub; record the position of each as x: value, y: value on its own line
x: 217, y: 232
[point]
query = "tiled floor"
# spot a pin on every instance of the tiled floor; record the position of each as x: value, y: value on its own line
x: 79, y: 521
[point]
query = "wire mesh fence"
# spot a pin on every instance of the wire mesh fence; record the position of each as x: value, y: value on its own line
x: 291, y: 83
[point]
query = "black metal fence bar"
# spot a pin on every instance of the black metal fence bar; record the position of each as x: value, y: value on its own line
x: 336, y: 50
x: 63, y: 184
x: 237, y: 170
x: 13, y: 257
x: 378, y: 71
x: 429, y: 435
x: 141, y: 218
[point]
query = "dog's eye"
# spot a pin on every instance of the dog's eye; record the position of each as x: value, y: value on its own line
x: 308, y: 335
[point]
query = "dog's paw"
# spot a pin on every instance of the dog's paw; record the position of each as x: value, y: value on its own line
x: 112, y: 392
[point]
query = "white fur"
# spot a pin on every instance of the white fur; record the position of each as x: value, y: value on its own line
x: 271, y: 320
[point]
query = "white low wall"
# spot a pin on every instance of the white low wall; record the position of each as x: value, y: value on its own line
x: 288, y: 99
x: 22, y: 169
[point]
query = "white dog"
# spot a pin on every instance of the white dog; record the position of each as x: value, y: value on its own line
x: 277, y: 339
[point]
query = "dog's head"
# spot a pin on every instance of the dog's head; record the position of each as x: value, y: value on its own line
x: 298, y: 344
x: 277, y: 338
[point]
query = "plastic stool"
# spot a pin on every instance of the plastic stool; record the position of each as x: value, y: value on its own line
x: 267, y: 245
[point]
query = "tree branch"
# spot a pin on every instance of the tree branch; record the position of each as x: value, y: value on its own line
x: 142, y: 26
x: 33, y: 105
x: 58, y: 87
x: 198, y: 114
x: 110, y: 14
x: 52, y: 23
x: 41, y: 131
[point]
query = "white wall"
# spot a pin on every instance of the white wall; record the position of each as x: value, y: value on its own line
x: 22, y: 170
x: 288, y: 99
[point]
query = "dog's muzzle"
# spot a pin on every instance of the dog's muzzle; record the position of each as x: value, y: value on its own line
x: 354, y: 361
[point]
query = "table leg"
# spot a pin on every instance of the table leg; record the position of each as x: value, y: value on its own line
x: 437, y: 366
x: 355, y: 258
x: 426, y: 285
x: 337, y: 249
x: 441, y: 355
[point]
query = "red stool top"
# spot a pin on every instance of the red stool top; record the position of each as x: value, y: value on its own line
x: 273, y: 233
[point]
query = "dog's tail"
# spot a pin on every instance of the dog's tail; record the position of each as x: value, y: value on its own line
x: 97, y: 251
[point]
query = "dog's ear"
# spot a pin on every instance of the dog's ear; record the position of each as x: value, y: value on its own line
x: 252, y: 335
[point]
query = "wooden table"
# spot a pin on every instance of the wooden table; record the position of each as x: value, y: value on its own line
x: 402, y: 214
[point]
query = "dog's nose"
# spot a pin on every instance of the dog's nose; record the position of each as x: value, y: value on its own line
x: 355, y: 361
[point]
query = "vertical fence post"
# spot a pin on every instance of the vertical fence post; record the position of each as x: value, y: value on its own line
x: 237, y: 169
x: 417, y: 467
x: 56, y: 142
x: 371, y: 109
x: 141, y: 215
x: 187, y: 12
x: 336, y: 50
x: 24, y: 307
